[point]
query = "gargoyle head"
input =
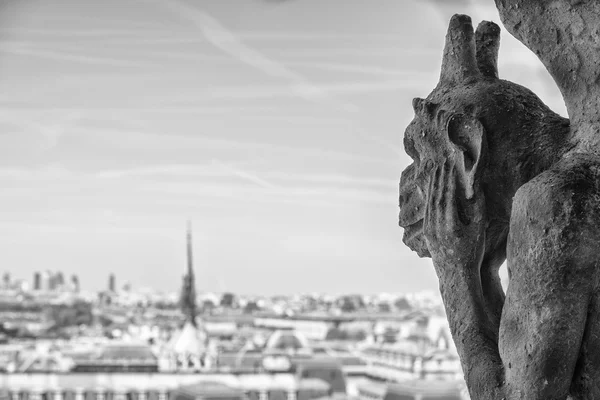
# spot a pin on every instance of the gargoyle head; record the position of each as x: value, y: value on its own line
x: 492, y: 128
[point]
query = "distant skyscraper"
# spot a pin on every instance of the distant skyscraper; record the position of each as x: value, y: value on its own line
x: 60, y: 279
x: 6, y: 279
x: 188, y: 290
x: 75, y: 283
x: 112, y: 283
x: 45, y: 284
x: 37, y: 281
x: 52, y: 284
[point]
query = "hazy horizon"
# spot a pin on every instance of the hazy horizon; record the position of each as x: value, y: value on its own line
x: 276, y: 127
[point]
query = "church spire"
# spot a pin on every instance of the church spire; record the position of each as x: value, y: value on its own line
x: 188, y: 291
x: 190, y: 259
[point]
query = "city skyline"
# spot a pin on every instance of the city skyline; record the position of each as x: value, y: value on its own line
x: 276, y: 127
x: 33, y: 284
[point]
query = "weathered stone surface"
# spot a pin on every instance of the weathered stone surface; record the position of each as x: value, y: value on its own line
x: 565, y: 35
x: 498, y: 176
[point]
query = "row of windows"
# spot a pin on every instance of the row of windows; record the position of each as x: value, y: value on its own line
x: 273, y: 394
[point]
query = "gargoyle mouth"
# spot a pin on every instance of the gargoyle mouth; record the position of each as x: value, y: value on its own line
x: 413, y: 230
x: 414, y: 239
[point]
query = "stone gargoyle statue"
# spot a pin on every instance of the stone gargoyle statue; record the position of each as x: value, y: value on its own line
x: 497, y: 175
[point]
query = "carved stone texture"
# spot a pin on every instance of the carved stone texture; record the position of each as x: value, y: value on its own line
x: 496, y: 175
x: 565, y: 35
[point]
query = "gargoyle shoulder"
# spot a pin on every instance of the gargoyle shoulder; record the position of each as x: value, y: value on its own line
x: 556, y: 216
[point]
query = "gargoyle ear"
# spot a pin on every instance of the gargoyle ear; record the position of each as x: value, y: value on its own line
x: 466, y: 136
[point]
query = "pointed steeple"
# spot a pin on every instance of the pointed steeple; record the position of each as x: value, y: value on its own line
x: 190, y: 259
x: 188, y: 291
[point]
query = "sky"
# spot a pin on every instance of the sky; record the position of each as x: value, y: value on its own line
x: 275, y: 126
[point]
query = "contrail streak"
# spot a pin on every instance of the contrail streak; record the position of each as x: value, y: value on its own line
x: 345, y: 67
x: 68, y: 57
x: 225, y: 40
x: 245, y: 175
x: 396, y: 149
x: 52, y: 132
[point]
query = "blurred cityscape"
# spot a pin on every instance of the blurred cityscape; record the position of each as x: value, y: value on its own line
x: 59, y: 340
x: 278, y: 125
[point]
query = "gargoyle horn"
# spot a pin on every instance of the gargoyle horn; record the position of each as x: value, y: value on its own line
x: 487, y: 39
x: 459, y: 62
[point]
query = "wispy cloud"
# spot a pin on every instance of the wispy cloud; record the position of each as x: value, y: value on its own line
x: 322, y: 195
x: 319, y: 37
x: 268, y: 178
x: 143, y: 55
x: 160, y: 171
x: 347, y: 67
x: 63, y: 56
x: 26, y: 174
x: 477, y: 10
x: 77, y: 192
x: 78, y: 18
x: 52, y: 132
x: 178, y: 32
x: 216, y: 169
x: 72, y: 33
x: 326, y: 89
x: 255, y: 92
x: 335, y: 52
x: 12, y: 109
x: 251, y: 177
x: 187, y: 56
x: 145, y: 141
x: 227, y: 41
x: 296, y: 119
x: 175, y: 34
x: 237, y: 98
x: 374, y: 138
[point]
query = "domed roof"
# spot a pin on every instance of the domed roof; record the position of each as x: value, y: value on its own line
x: 189, y: 340
x: 286, y: 339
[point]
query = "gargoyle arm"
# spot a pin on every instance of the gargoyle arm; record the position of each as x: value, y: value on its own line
x: 547, y: 304
x: 475, y: 337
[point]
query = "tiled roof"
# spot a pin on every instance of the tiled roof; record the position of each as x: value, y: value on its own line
x: 207, y: 390
x: 127, y: 351
x: 122, y: 353
x: 432, y: 389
